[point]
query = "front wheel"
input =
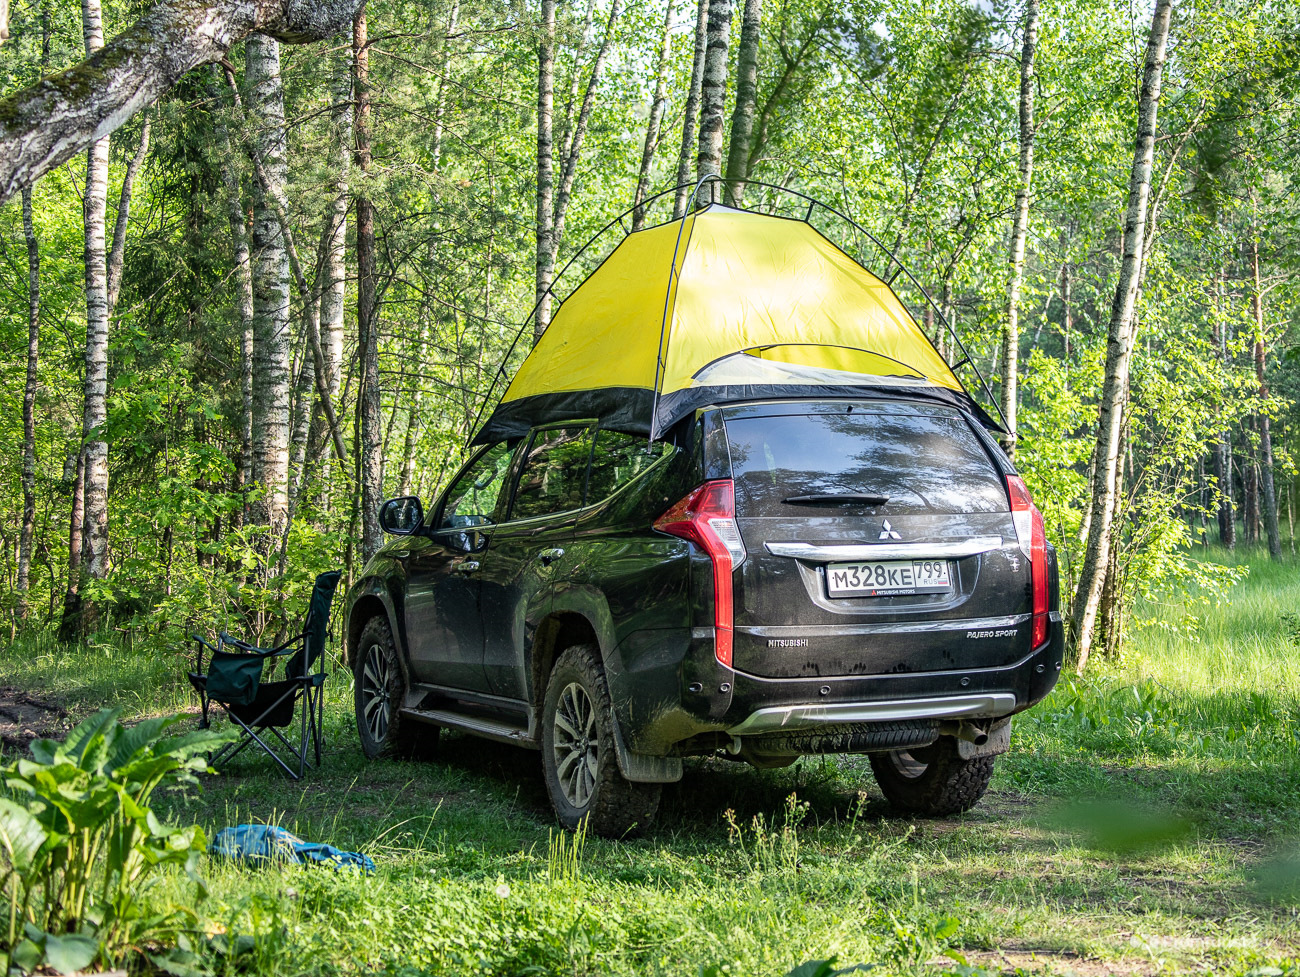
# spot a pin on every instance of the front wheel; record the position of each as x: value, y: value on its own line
x: 932, y: 781
x: 578, y: 759
x: 380, y: 689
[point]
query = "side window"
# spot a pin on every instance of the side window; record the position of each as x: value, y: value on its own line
x: 554, y: 472
x: 617, y: 459
x: 472, y: 499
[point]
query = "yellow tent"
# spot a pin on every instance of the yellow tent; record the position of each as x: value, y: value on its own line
x: 753, y: 306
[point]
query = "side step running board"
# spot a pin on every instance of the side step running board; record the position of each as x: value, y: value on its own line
x: 489, y: 728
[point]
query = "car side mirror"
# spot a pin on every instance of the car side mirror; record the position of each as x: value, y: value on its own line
x: 401, y: 516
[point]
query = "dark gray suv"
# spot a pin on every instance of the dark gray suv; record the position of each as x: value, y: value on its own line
x: 771, y: 580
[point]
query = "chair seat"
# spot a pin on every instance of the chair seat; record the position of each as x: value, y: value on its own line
x: 272, y: 707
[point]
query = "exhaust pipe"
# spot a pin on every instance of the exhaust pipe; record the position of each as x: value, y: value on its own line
x: 971, y: 733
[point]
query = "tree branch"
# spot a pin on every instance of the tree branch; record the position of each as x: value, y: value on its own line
x: 48, y: 123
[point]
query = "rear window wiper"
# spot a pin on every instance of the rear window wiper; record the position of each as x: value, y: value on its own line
x: 847, y: 498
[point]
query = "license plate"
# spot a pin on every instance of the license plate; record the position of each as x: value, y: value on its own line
x: 888, y: 578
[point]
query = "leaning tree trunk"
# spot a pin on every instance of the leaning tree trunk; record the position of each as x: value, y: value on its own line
x: 28, y: 529
x: 713, y: 94
x: 656, y: 117
x: 1268, y: 494
x: 1019, y: 230
x: 742, y: 114
x: 333, y: 290
x: 51, y: 121
x: 691, y: 115
x: 1119, y: 346
x: 272, y: 358
x: 545, y: 231
x: 117, y: 253
x: 369, y: 422
x: 94, y: 552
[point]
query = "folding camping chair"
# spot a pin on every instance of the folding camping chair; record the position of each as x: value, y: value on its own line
x: 234, y: 681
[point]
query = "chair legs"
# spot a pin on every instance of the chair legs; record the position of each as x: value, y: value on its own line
x: 309, y: 734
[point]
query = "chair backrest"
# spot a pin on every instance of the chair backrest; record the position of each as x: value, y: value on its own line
x: 316, y: 628
x: 234, y: 678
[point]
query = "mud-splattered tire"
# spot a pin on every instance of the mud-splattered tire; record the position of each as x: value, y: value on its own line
x: 933, y: 781
x: 380, y: 689
x: 578, y: 760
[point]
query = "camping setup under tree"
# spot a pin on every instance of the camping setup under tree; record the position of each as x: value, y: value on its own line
x: 265, y: 264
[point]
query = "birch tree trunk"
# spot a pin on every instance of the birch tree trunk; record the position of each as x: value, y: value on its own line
x: 742, y: 114
x: 1268, y: 494
x: 94, y: 552
x: 28, y: 528
x: 369, y: 422
x: 656, y: 118
x: 690, y: 117
x: 713, y: 93
x: 72, y: 595
x: 545, y: 266
x: 1119, y: 346
x: 1019, y: 230
x: 272, y: 363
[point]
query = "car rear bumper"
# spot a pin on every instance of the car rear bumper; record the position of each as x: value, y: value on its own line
x: 673, y: 705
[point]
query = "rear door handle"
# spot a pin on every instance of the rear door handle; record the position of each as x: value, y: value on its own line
x: 550, y: 556
x: 466, y: 566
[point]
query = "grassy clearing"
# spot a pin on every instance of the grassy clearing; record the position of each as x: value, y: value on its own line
x: 1146, y: 821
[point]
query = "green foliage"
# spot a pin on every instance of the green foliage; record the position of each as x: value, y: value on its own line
x: 80, y: 842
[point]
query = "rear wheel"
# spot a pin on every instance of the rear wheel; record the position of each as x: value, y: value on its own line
x: 932, y: 781
x: 380, y: 689
x: 578, y: 759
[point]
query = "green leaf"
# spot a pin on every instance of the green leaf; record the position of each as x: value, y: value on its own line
x: 26, y: 956
x: 20, y: 834
x: 68, y: 954
x: 87, y: 744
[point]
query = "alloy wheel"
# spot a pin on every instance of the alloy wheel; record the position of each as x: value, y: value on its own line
x: 575, y: 745
x: 376, y: 706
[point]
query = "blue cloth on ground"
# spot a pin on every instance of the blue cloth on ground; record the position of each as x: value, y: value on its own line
x: 257, y: 844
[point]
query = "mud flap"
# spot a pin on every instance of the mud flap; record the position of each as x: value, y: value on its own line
x: 642, y: 769
x: 999, y: 742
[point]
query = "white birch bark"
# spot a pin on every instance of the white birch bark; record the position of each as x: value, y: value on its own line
x: 94, y: 554
x: 1119, y: 346
x: 713, y: 94
x: 1019, y: 230
x: 271, y: 313
x: 691, y: 116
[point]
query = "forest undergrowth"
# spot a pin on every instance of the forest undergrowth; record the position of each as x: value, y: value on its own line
x: 1146, y: 820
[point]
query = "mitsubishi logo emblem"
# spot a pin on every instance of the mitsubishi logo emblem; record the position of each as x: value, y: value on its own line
x: 887, y: 531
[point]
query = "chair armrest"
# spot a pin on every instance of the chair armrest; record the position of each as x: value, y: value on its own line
x: 198, y: 654
x: 226, y: 639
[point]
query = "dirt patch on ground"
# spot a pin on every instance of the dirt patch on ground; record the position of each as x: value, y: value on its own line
x: 25, y: 717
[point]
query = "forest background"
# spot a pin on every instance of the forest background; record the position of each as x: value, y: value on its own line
x: 285, y: 290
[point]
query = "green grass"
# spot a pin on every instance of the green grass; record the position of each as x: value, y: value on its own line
x: 1145, y: 821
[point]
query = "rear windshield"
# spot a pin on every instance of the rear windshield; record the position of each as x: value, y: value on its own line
x: 919, y: 459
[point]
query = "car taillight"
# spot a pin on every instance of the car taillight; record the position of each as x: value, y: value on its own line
x: 707, y: 517
x: 1033, y: 543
